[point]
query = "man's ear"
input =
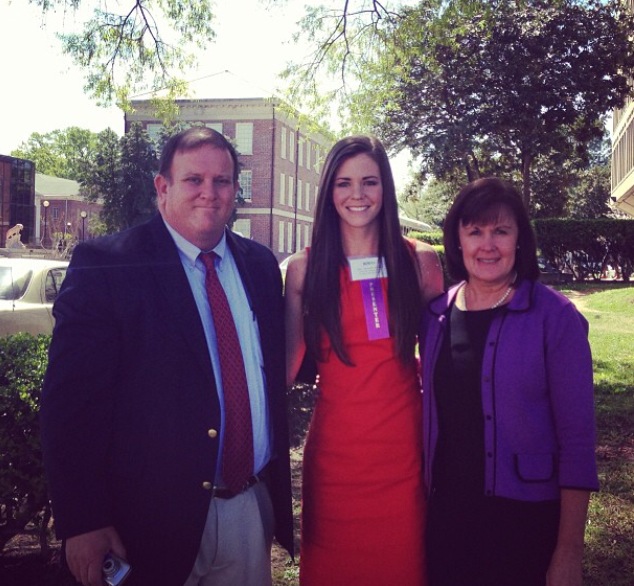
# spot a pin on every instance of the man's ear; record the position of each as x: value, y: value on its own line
x: 160, y: 184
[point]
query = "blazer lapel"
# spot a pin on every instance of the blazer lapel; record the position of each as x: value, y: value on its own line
x: 173, y: 285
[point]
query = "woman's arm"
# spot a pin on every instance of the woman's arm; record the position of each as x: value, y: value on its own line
x: 431, y: 275
x: 293, y: 288
x: 565, y: 565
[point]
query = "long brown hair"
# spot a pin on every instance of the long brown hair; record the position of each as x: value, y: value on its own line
x: 321, y: 297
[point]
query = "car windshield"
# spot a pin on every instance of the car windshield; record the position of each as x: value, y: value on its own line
x: 14, y: 281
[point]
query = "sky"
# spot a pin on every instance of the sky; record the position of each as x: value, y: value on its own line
x: 41, y: 89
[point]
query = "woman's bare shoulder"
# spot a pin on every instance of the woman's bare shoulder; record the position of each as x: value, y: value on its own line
x: 296, y: 269
x: 430, y: 270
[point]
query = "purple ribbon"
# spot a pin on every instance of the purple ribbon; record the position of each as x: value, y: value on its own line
x: 374, y: 306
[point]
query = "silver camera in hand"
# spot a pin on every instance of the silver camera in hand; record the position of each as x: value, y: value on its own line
x: 115, y: 570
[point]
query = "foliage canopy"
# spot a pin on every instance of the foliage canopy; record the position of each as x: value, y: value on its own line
x: 479, y: 87
x: 128, y: 45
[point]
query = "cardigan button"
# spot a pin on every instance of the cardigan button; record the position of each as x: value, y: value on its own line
x: 207, y: 485
x: 212, y: 433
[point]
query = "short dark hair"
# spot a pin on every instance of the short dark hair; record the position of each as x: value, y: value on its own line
x: 191, y: 139
x: 483, y: 200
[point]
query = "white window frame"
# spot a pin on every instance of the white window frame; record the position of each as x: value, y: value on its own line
x: 246, y: 183
x: 244, y: 138
x: 291, y: 146
x: 280, y: 236
x: 243, y: 227
x: 289, y: 244
x: 282, y: 190
x: 300, y: 188
x: 153, y: 130
x: 291, y: 190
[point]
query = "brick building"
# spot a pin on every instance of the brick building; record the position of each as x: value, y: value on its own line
x: 62, y: 212
x: 280, y: 161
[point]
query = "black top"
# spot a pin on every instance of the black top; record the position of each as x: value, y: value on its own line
x: 459, y: 458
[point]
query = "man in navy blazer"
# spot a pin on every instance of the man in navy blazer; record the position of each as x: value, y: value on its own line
x: 132, y: 408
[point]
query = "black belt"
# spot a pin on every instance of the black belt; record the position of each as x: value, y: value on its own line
x: 226, y: 493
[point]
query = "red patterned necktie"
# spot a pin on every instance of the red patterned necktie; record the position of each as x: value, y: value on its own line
x: 237, y: 457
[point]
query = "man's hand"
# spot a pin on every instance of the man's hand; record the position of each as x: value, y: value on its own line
x: 85, y: 554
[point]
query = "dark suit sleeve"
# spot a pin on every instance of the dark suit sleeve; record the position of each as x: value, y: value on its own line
x: 77, y: 400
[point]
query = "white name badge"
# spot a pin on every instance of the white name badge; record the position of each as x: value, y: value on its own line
x: 367, y: 267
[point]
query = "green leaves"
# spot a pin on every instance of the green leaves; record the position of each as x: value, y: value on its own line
x: 23, y: 360
x: 142, y: 45
x: 60, y: 153
x: 507, y: 81
x: 122, y: 176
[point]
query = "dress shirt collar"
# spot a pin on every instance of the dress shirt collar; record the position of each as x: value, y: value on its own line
x: 189, y: 252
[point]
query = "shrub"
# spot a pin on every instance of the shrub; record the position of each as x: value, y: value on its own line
x: 586, y: 247
x: 23, y: 495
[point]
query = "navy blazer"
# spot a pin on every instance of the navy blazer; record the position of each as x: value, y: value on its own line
x: 129, y: 398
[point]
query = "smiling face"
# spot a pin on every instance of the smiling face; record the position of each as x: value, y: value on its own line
x: 198, y: 197
x: 488, y: 249
x: 357, y: 192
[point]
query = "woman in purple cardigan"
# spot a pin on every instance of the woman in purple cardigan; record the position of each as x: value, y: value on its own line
x: 508, y: 403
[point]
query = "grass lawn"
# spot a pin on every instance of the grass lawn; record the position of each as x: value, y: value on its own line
x: 610, y: 529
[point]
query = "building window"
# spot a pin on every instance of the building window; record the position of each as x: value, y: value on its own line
x: 154, y: 132
x: 289, y: 243
x: 291, y: 190
x: 283, y: 143
x: 280, y: 237
x: 300, y: 152
x: 217, y: 126
x: 308, y: 147
x: 244, y: 138
x: 282, y: 192
x: 299, y: 194
x: 307, y: 199
x: 54, y: 213
x: 306, y: 235
x: 291, y: 147
x: 242, y: 226
x: 298, y: 237
x: 246, y: 182
x: 317, y: 161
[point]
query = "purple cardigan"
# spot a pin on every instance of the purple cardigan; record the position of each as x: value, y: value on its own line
x: 537, y: 395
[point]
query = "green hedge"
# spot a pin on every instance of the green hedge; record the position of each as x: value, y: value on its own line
x: 23, y: 495
x: 585, y: 247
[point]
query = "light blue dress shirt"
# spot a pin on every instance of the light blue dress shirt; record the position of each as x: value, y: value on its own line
x: 248, y: 334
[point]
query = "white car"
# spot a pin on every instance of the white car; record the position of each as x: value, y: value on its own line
x: 28, y: 288
x: 284, y: 266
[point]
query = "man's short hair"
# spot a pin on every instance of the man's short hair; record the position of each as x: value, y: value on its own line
x: 192, y: 139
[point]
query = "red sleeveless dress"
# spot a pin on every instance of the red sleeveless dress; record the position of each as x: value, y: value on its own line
x: 363, y: 503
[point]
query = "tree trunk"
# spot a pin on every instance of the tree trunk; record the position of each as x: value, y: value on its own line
x: 526, y: 180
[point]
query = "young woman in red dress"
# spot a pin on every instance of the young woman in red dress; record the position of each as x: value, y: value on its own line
x: 354, y: 302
